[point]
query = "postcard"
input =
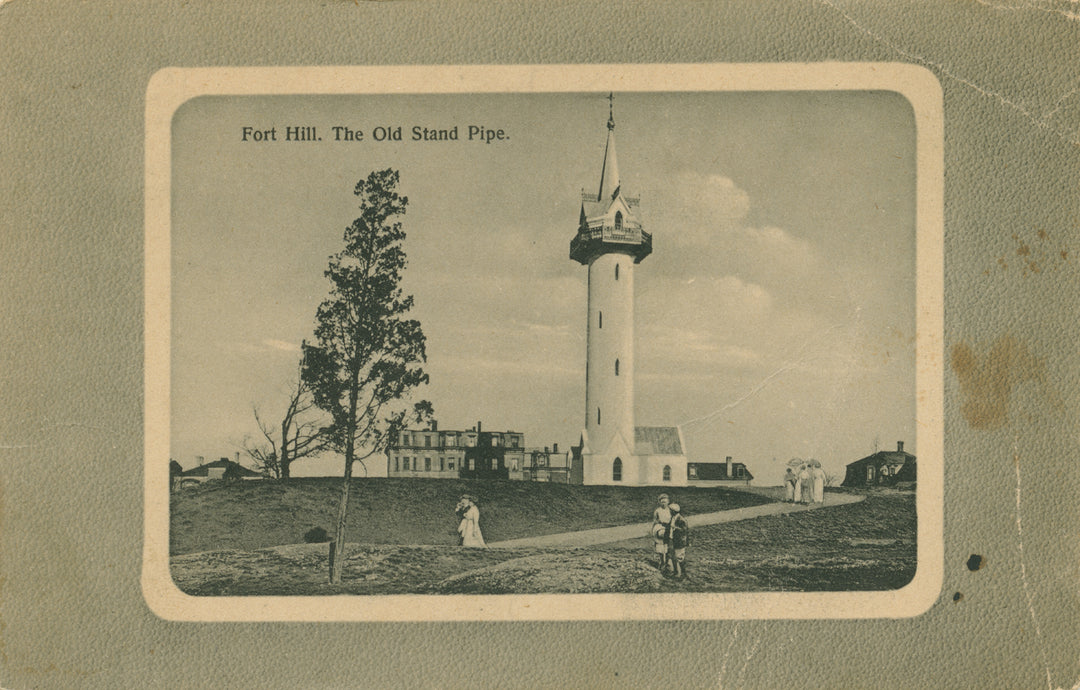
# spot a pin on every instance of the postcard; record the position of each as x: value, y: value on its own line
x: 588, y: 342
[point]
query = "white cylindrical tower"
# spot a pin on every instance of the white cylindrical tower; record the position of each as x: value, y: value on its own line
x: 609, y: 368
x: 610, y: 241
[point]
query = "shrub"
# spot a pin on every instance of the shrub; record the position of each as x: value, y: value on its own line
x: 316, y: 535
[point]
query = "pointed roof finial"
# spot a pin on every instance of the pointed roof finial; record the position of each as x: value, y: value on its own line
x: 611, y: 110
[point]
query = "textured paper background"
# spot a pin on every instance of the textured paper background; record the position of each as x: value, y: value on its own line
x: 73, y: 83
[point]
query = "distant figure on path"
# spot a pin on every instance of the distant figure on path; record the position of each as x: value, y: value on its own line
x: 817, y: 478
x: 790, y: 481
x: 803, y: 489
x: 661, y: 520
x: 469, y: 528
x: 678, y: 539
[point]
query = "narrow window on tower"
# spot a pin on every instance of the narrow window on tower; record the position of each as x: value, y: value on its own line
x: 618, y: 220
x: 616, y: 470
x: 616, y: 271
x: 598, y: 416
x: 601, y: 322
x: 616, y: 367
x: 667, y: 473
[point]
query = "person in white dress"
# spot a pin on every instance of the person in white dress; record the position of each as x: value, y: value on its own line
x: 802, y: 487
x: 789, y: 484
x: 817, y: 479
x: 469, y: 528
x: 661, y: 519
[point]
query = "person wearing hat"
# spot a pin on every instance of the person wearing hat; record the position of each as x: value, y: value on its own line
x: 678, y: 539
x: 469, y: 528
x: 661, y: 518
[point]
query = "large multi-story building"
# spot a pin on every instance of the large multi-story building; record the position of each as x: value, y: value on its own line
x: 473, y: 454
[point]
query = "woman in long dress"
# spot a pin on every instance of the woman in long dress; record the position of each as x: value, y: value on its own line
x: 661, y: 519
x: 802, y: 488
x: 469, y: 529
x: 817, y: 478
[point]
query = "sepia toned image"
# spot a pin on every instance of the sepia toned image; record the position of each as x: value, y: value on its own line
x: 630, y: 343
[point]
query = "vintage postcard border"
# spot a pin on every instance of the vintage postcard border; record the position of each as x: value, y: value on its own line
x: 170, y: 88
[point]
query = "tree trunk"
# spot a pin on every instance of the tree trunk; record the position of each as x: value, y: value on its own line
x: 343, y: 509
x: 284, y: 461
x: 339, y: 533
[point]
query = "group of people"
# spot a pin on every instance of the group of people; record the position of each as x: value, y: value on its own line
x: 469, y: 522
x: 807, y: 485
x: 671, y: 536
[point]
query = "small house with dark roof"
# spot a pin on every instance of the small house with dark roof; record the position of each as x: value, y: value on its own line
x: 219, y: 469
x: 725, y: 473
x: 884, y: 468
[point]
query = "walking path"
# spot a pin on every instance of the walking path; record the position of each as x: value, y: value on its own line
x: 606, y: 535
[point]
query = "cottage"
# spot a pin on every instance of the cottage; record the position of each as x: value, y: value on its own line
x: 884, y: 468
x: 725, y: 473
x: 223, y: 468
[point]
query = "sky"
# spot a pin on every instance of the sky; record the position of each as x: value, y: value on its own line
x: 774, y: 319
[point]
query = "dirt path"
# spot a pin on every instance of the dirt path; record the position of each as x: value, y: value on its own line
x: 607, y: 535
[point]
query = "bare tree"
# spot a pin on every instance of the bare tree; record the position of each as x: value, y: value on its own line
x: 300, y: 434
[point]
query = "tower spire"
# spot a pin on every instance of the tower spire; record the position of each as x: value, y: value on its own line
x: 609, y: 174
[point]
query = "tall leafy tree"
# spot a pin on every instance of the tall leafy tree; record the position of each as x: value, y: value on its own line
x: 367, y: 354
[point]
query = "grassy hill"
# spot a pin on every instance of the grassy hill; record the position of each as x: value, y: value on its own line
x: 258, y: 514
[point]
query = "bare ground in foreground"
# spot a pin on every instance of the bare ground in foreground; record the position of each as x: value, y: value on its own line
x: 859, y: 547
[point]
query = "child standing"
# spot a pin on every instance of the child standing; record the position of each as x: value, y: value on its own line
x: 678, y: 539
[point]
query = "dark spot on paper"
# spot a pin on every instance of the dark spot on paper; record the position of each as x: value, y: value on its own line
x: 1023, y: 250
x: 987, y: 380
x: 957, y: 597
x: 975, y: 562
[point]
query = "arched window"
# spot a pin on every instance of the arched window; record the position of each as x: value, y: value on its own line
x: 598, y: 416
x: 601, y: 319
x: 616, y: 470
x: 618, y: 220
x: 667, y: 473
x: 616, y: 367
x: 616, y: 271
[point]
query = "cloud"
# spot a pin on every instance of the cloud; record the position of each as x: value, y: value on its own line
x: 697, y: 206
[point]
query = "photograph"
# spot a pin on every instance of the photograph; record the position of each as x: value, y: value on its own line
x: 561, y: 342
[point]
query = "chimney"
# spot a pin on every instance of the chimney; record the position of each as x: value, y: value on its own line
x: 434, y: 425
x: 555, y: 448
x: 200, y: 460
x: 237, y: 457
x: 729, y: 475
x: 899, y: 446
x: 478, y: 427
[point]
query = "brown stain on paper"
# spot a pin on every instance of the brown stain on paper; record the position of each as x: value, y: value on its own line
x: 987, y: 381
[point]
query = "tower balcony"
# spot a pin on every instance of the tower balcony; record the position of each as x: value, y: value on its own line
x: 593, y: 240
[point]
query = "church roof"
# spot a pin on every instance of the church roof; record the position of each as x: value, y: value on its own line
x: 657, y: 440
